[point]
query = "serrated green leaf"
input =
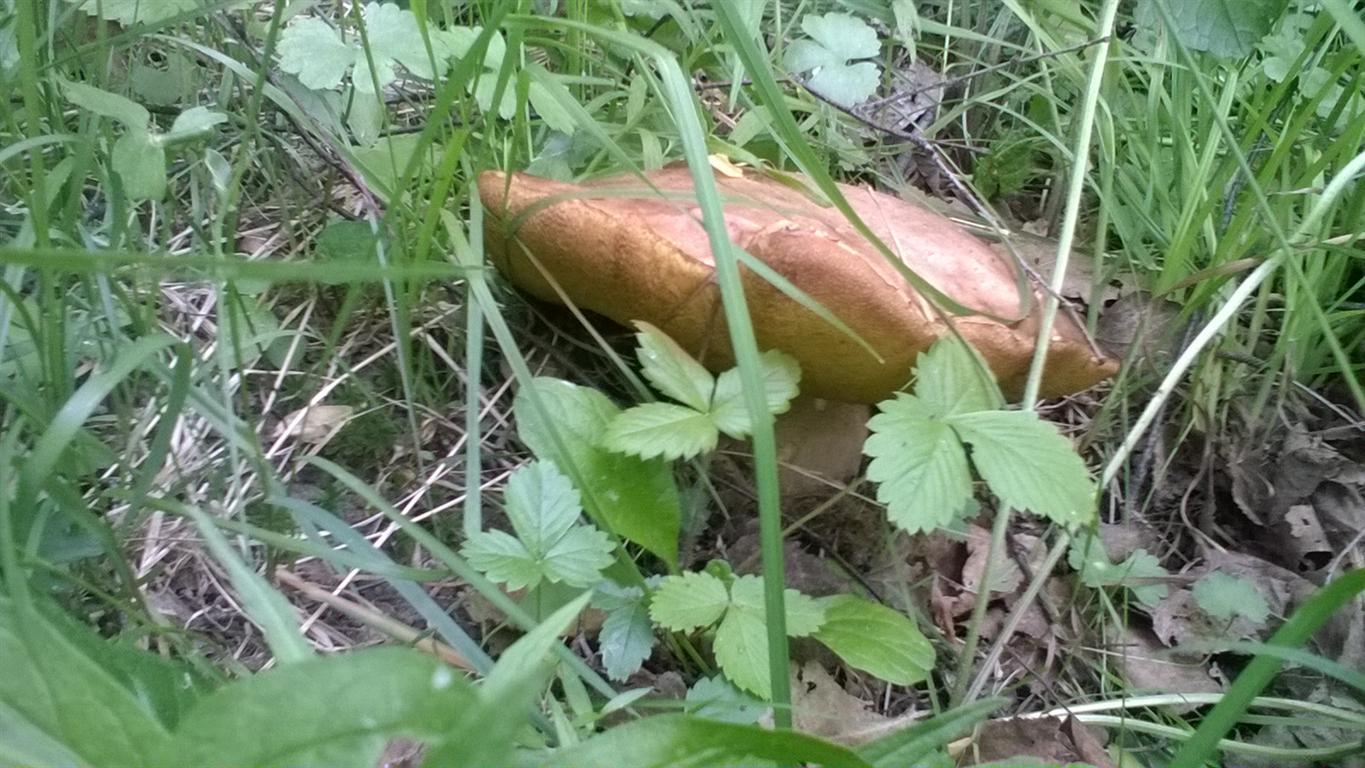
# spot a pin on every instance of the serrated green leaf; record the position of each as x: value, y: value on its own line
x: 140, y: 164
x: 627, y: 636
x: 952, y: 378
x: 665, y: 430
x: 543, y: 507
x: 1223, y: 596
x: 671, y: 370
x: 688, y: 600
x: 578, y: 557
x: 1096, y: 570
x: 125, y: 111
x: 631, y: 497
x: 920, y: 466
x: 781, y: 377
x: 314, y: 52
x: 804, y: 614
x: 502, y: 558
x: 835, y: 39
x: 1029, y: 465
x: 741, y: 649
x: 876, y: 639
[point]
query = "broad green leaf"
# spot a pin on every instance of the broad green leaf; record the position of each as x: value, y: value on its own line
x: 336, y: 710
x: 1097, y: 571
x: 654, y: 430
x: 951, y: 378
x: 192, y: 123
x: 671, y: 370
x: 53, y: 687
x: 805, y: 615
x: 631, y: 497
x: 1029, y: 465
x: 920, y: 466
x: 669, y: 741
x: 1226, y: 597
x: 140, y: 163
x: 835, y: 38
x: 627, y: 636
x: 876, y: 639
x: 314, y: 52
x: 1224, y: 28
x: 781, y: 375
x: 717, y: 699
x: 125, y: 111
x: 543, y: 508
x: 689, y: 600
x: 741, y: 649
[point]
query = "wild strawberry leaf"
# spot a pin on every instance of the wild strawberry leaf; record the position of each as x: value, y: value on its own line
x: 544, y: 509
x: 665, y: 430
x: 834, y: 40
x: 1028, y: 464
x: 689, y: 600
x: 781, y: 375
x: 804, y: 614
x: 952, y: 378
x: 671, y: 370
x: 920, y: 466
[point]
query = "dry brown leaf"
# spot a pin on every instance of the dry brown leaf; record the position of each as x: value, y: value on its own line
x: 1046, y: 738
x: 617, y: 247
x: 1147, y: 667
x: 314, y: 424
x: 823, y: 708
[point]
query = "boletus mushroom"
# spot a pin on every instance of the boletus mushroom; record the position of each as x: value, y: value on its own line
x: 624, y: 250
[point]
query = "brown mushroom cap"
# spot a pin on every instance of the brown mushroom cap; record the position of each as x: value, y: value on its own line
x: 616, y: 247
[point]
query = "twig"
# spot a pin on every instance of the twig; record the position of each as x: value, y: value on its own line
x: 374, y: 619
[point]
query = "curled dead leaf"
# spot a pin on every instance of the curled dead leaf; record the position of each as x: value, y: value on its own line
x: 632, y: 250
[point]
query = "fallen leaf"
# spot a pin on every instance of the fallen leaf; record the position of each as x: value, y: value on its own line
x: 822, y: 707
x: 314, y: 424
x: 1050, y: 739
x: 1147, y: 667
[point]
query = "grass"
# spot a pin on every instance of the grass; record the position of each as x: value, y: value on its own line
x: 153, y: 353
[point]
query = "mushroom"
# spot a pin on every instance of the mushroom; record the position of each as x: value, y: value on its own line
x: 619, y: 248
